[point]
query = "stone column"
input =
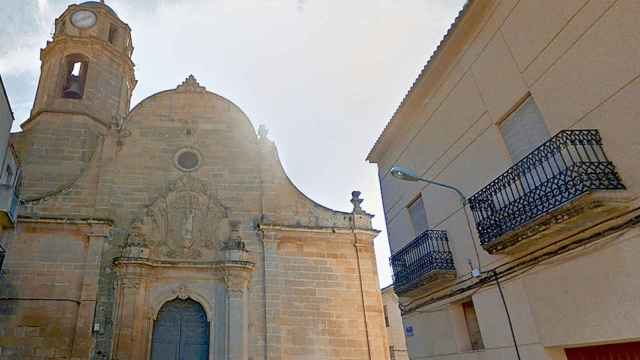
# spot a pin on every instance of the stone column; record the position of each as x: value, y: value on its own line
x: 83, y: 340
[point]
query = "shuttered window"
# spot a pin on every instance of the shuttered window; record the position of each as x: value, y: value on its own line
x: 386, y: 315
x: 418, y: 215
x: 524, y: 130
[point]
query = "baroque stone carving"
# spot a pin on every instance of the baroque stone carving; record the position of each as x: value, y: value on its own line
x: 185, y: 220
x: 190, y: 84
x: 182, y: 292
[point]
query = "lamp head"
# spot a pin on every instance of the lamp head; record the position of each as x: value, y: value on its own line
x: 403, y: 173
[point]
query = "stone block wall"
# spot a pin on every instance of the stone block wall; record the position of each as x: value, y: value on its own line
x: 315, y: 307
x: 48, y: 290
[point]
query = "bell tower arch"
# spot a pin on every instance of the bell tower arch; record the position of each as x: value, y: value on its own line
x: 86, y: 68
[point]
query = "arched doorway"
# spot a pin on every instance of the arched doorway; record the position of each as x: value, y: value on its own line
x: 180, y: 332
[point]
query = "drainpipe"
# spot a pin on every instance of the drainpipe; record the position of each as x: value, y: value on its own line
x: 356, y: 207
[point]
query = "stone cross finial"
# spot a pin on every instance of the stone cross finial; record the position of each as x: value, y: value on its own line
x: 356, y: 201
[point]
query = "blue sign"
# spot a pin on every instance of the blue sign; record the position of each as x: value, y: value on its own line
x: 408, y: 330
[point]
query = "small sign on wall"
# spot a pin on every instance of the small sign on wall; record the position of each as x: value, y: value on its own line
x: 408, y: 330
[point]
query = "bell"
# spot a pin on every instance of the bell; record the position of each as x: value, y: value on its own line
x: 73, y: 90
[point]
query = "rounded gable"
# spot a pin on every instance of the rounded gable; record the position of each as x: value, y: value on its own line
x: 192, y: 104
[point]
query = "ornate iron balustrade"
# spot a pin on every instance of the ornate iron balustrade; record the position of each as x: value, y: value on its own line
x: 570, y: 164
x: 428, y: 253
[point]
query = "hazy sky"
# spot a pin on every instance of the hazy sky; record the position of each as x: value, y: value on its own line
x: 323, y: 75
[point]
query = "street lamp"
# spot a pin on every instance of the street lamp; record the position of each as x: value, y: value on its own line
x: 402, y: 173
x: 405, y: 174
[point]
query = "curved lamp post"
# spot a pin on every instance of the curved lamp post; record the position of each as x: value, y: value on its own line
x: 402, y: 173
x: 406, y: 174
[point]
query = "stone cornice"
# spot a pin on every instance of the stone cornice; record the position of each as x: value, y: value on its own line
x: 31, y: 118
x: 220, y: 266
x: 66, y: 220
x: 324, y: 230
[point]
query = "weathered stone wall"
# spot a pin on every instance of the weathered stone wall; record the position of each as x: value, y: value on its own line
x: 48, y: 292
x: 129, y: 174
x: 59, y: 153
x: 315, y: 306
x: 91, y: 160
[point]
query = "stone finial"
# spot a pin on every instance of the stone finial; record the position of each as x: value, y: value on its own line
x: 190, y: 84
x: 136, y: 245
x: 263, y: 131
x: 235, y: 240
x: 235, y: 249
x: 356, y: 201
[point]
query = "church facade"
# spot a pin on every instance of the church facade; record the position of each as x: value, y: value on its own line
x: 170, y: 230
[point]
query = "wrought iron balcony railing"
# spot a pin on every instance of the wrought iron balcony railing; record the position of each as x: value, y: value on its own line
x: 426, y: 255
x: 570, y: 164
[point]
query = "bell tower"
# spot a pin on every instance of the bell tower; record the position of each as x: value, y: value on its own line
x: 86, y: 68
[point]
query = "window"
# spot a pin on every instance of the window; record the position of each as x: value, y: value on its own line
x: 113, y: 34
x: 473, y: 327
x: 524, y: 130
x: 392, y: 352
x: 418, y: 215
x: 75, y: 77
x: 386, y: 315
x: 187, y: 159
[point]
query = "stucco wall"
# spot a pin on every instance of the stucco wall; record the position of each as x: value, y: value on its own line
x: 395, y: 329
x: 6, y: 120
x: 579, y: 61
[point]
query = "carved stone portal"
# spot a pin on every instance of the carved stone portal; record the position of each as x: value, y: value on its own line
x: 184, y: 222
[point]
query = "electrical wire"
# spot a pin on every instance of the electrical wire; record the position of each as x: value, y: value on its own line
x: 466, y: 277
x: 526, y: 265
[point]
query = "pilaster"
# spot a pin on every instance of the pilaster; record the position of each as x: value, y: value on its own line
x: 84, y: 341
x: 237, y: 275
x: 130, y: 317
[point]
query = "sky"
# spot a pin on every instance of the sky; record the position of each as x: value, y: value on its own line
x: 324, y: 76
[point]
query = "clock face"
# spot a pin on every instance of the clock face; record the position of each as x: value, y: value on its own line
x: 83, y: 19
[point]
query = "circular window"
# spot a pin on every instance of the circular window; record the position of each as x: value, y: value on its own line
x: 187, y: 160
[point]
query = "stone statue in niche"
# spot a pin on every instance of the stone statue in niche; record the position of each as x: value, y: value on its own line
x: 186, y: 220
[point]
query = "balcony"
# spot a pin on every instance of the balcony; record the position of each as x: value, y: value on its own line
x: 425, y: 260
x: 560, y: 187
x: 8, y: 205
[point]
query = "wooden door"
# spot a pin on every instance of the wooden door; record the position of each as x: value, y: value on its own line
x: 625, y: 351
x: 181, y: 332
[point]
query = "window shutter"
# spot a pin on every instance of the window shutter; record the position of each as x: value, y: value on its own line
x: 524, y: 130
x: 418, y: 215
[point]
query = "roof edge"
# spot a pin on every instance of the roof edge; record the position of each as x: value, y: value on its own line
x: 373, y: 155
x: 6, y: 96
